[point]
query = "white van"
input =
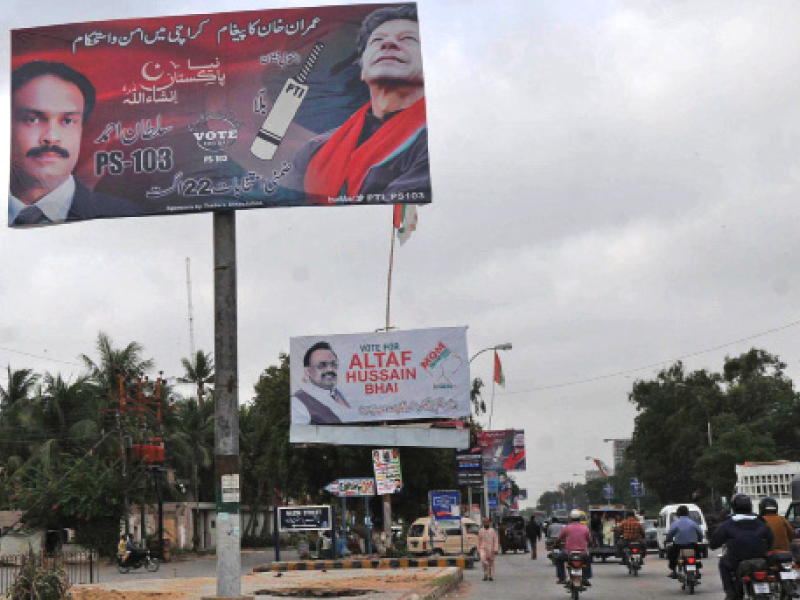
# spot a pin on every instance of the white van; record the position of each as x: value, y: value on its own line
x: 668, y: 515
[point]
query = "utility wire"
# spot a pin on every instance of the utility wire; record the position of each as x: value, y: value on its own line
x: 652, y: 365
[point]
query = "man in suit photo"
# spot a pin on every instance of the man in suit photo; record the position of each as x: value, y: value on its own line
x: 50, y: 103
x: 319, y: 401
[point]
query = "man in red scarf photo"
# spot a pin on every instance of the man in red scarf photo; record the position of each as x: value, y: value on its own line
x: 383, y: 147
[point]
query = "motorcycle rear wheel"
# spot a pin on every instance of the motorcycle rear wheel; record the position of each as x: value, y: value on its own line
x: 575, y: 593
x: 123, y: 569
x: 152, y: 565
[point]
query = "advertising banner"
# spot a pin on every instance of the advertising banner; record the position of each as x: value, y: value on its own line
x: 304, y: 518
x: 504, y: 450
x: 492, y: 488
x: 235, y: 110
x: 385, y: 376
x: 388, y: 478
x: 356, y: 487
x: 445, y: 505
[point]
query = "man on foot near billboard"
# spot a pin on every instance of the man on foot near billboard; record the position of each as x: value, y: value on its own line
x: 382, y: 148
x: 318, y: 401
x: 50, y: 103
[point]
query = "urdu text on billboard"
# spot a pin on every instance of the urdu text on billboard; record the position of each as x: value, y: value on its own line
x: 385, y: 376
x: 293, y: 107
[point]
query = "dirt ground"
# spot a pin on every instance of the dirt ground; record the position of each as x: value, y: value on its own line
x: 397, y: 583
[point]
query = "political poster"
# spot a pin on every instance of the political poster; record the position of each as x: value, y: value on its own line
x: 320, y: 106
x: 388, y: 477
x: 503, y: 450
x: 385, y: 376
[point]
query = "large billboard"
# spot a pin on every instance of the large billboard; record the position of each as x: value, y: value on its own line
x: 503, y: 450
x: 316, y: 106
x: 385, y: 376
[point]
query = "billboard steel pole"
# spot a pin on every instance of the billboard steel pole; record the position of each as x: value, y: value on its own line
x: 226, y: 408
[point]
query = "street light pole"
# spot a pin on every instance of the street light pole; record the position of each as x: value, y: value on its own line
x: 506, y: 346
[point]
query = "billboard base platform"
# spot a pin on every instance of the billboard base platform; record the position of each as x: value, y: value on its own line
x: 463, y: 562
x: 387, y: 435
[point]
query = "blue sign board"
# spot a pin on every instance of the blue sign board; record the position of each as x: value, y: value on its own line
x: 446, y: 505
x: 637, y: 488
x: 608, y: 491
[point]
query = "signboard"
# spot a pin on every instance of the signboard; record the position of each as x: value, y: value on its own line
x: 386, y: 376
x: 608, y: 491
x: 304, y: 518
x: 195, y: 113
x: 230, y: 488
x: 492, y: 488
x: 637, y: 488
x: 445, y: 505
x: 356, y: 487
x: 388, y: 478
x: 469, y: 468
x: 503, y: 449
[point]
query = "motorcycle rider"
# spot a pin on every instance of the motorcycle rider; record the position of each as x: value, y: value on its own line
x: 781, y: 528
x: 630, y: 530
x: 745, y: 536
x: 574, y: 537
x: 684, y: 533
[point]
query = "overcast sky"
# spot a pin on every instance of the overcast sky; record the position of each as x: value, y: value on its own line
x: 615, y: 186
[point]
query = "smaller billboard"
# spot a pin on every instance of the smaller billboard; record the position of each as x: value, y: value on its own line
x: 304, y: 518
x: 445, y: 505
x: 388, y: 477
x: 469, y: 468
x: 356, y: 487
x: 503, y: 450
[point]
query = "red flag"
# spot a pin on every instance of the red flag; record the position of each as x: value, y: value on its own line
x: 499, y: 378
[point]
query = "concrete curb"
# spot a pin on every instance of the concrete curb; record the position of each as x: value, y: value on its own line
x: 378, y: 563
x: 442, y: 585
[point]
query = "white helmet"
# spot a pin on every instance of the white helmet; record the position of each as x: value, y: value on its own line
x: 575, y: 515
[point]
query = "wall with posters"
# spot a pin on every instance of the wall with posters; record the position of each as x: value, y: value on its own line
x: 386, y: 376
x: 195, y: 113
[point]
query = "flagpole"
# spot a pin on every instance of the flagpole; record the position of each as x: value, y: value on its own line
x: 389, y: 278
x: 491, y: 411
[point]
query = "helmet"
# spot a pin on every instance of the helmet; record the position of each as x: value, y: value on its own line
x: 575, y: 515
x: 768, y: 505
x: 741, y: 504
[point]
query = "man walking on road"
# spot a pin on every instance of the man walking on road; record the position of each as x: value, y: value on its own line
x: 534, y: 533
x: 488, y: 547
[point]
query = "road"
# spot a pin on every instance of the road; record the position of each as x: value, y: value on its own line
x: 520, y: 578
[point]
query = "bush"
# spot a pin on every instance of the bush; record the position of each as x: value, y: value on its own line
x: 36, y: 582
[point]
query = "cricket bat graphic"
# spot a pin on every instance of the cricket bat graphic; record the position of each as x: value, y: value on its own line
x: 270, y: 136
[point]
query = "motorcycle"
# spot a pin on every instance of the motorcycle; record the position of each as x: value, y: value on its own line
x: 688, y: 570
x: 753, y: 580
x: 141, y: 559
x: 633, y: 556
x: 783, y: 573
x: 576, y: 561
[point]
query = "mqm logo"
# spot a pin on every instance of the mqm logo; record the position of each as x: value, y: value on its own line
x: 441, y: 363
x: 216, y: 132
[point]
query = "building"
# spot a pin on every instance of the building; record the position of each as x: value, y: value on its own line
x: 620, y: 447
x: 761, y: 479
x: 593, y: 474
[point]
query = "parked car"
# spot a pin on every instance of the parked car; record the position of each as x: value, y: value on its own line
x: 445, y: 537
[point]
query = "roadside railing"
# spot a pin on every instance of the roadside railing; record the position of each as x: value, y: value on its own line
x: 80, y: 566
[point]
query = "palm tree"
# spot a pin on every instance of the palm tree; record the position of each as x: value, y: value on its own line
x: 113, y: 361
x: 21, y: 383
x: 199, y: 371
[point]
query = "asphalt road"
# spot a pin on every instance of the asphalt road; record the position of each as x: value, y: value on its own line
x: 520, y: 578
